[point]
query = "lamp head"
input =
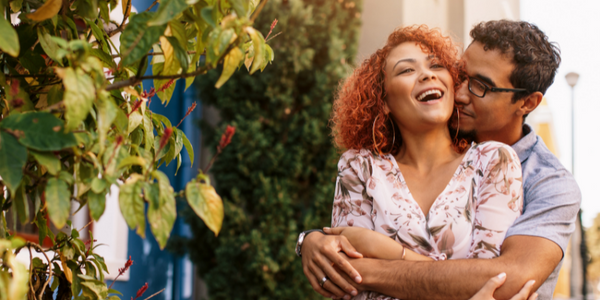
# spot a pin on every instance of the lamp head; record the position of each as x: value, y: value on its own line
x: 572, y: 78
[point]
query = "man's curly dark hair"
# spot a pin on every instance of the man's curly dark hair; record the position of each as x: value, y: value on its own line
x: 536, y: 59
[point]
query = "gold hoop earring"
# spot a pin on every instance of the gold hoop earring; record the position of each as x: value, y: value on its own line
x: 374, y: 141
x: 393, y: 133
x: 457, y: 124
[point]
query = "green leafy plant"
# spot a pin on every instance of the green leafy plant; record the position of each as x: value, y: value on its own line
x: 75, y: 120
x: 277, y: 177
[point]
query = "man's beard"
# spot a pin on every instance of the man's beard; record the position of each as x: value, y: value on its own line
x: 469, y: 135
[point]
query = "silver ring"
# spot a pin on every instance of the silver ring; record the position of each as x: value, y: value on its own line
x: 323, y: 281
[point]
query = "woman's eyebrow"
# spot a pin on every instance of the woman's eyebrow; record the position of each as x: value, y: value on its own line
x: 412, y: 60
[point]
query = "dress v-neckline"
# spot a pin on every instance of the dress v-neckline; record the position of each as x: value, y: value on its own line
x: 401, y: 177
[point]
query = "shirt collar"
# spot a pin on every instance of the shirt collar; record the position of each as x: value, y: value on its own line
x: 525, y: 145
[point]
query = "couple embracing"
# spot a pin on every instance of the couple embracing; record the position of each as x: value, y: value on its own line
x: 444, y: 192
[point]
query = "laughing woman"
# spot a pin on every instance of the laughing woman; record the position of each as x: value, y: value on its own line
x: 407, y: 175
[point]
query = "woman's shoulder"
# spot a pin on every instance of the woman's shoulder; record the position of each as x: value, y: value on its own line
x: 364, y: 159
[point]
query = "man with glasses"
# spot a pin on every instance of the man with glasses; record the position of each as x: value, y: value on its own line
x: 509, y: 66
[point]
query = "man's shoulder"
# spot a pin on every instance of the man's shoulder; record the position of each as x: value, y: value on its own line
x: 543, y: 164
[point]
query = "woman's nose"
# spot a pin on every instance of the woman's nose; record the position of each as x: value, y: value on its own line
x: 427, y: 75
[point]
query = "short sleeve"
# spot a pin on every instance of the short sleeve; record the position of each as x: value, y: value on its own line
x: 497, y: 199
x: 352, y: 206
x: 552, y: 201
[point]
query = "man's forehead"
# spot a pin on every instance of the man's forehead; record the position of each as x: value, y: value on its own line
x: 489, y: 63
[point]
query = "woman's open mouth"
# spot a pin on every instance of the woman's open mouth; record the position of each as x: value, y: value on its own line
x: 430, y: 95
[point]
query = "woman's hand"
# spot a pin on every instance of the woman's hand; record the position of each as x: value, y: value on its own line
x: 487, y: 291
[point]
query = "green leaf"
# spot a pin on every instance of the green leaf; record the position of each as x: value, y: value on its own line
x: 9, y: 40
x: 58, y: 201
x: 55, y: 94
x: 22, y: 205
x: 188, y: 148
x: 206, y: 203
x: 16, y: 5
x: 162, y: 219
x: 148, y: 131
x: 107, y: 112
x: 132, y: 204
x: 13, y: 157
x: 104, y: 57
x: 40, y: 222
x: 161, y: 118
x: 66, y: 177
x: 79, y: 96
x: 98, y: 34
x: 87, y: 8
x: 135, y: 119
x: 240, y: 7
x: 40, y: 131
x: 232, y: 61
x: 96, y: 204
x: 98, y: 185
x: 92, y: 288
x: 164, y: 93
x: 48, y: 160
x: 207, y: 15
x: 133, y: 160
x: 137, y: 38
x: 167, y: 10
x: 165, y: 188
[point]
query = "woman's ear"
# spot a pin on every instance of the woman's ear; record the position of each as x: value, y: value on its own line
x: 386, y: 108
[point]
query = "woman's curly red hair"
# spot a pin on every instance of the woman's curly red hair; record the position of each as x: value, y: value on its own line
x: 359, y: 120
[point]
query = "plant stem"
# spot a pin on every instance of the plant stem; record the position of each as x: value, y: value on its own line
x: 258, y: 9
x: 155, y: 294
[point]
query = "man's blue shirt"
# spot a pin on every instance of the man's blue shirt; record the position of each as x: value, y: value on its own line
x: 552, y: 199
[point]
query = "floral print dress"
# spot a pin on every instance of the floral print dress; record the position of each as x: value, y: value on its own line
x: 468, y: 219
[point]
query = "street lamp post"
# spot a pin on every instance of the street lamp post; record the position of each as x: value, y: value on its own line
x: 572, y: 79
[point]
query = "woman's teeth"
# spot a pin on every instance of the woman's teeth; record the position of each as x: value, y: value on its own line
x: 433, y: 94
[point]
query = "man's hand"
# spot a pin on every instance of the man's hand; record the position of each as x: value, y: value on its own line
x: 320, y: 253
x: 487, y: 291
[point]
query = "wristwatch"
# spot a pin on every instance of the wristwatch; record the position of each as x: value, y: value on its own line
x: 301, y: 238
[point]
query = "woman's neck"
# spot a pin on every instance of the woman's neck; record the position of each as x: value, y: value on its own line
x: 426, y: 150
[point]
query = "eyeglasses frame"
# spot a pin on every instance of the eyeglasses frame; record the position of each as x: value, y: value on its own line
x: 492, y: 89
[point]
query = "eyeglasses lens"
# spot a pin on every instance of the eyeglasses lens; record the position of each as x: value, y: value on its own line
x: 477, y: 87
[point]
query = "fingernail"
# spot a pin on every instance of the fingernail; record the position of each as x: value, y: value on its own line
x: 530, y: 282
x: 357, y: 279
x: 353, y: 293
x: 535, y: 295
x: 326, y: 228
x: 347, y: 297
x: 502, y: 275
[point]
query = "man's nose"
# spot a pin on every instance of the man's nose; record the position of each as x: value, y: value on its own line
x: 462, y: 94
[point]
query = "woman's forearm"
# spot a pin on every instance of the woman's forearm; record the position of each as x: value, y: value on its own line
x: 376, y: 245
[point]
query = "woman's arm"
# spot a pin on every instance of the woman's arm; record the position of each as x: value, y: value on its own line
x: 373, y: 244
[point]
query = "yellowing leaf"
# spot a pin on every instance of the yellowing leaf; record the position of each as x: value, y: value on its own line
x: 79, y: 95
x: 132, y: 160
x: 46, y: 11
x: 259, y: 48
x: 135, y: 119
x: 169, y: 54
x: 58, y: 201
x: 207, y: 204
x: 232, y: 61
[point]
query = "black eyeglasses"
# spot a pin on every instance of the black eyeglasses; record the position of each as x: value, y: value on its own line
x: 478, y: 88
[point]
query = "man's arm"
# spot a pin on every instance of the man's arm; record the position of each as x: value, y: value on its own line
x: 523, y: 258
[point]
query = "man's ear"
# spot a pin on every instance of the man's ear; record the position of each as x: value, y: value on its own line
x: 530, y: 103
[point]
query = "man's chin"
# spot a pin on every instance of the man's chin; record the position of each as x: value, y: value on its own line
x: 469, y: 135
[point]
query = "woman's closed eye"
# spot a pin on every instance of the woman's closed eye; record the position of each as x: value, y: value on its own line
x: 437, y: 66
x: 405, y: 71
